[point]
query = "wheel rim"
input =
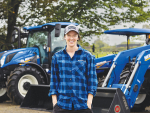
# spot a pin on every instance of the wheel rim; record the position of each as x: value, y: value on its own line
x: 26, y: 79
x: 2, y: 91
x: 140, y: 98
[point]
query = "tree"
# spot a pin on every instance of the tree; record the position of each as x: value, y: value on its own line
x: 94, y: 16
x: 99, y: 45
x: 13, y: 16
x: 146, y: 26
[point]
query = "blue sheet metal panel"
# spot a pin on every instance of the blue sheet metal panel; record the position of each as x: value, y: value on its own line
x: 108, y: 59
x: 123, y: 57
x: 105, y: 58
x: 62, y: 23
x: 49, y: 24
x: 22, y: 54
x: 121, y: 86
x: 129, y: 31
x: 33, y: 27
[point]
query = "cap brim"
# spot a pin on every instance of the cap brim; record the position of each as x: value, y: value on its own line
x: 72, y: 30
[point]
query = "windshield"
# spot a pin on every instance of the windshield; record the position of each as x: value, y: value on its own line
x: 38, y: 38
x: 58, y: 43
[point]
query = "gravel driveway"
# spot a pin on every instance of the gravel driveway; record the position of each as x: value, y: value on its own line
x: 8, y: 107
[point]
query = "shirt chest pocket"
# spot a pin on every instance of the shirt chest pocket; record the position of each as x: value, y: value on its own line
x: 80, y: 68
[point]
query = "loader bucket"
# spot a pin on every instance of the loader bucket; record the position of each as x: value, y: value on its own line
x: 37, y: 98
x: 110, y: 100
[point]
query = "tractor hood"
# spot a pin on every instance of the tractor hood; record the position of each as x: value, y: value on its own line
x: 17, y: 56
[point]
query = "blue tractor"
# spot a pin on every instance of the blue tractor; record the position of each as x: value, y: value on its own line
x: 19, y: 68
x: 126, y: 86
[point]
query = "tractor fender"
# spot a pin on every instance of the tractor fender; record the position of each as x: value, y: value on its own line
x: 43, y: 72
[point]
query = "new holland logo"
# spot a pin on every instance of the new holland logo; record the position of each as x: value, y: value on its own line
x: 117, y: 109
x: 125, y: 103
x: 147, y: 57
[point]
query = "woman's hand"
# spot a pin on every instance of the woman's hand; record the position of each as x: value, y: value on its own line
x: 54, y: 99
x: 89, y: 104
x: 89, y: 101
x: 54, y: 104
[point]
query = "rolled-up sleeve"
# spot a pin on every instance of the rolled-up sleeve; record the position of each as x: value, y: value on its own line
x: 54, y: 77
x: 91, y: 76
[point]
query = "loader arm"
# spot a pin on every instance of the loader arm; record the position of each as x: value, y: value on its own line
x: 120, y: 61
x: 137, y: 78
x: 130, y: 89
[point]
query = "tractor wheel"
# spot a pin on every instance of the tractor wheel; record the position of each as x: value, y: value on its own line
x: 20, y: 80
x: 123, y: 77
x: 100, y: 81
x: 3, y: 95
x: 142, y: 101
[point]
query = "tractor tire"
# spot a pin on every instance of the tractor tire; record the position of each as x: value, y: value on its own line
x: 3, y: 95
x: 142, y: 100
x: 20, y: 80
x: 141, y: 103
x: 101, y: 81
x: 123, y: 77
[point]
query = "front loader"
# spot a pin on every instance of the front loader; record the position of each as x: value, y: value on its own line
x: 127, y: 84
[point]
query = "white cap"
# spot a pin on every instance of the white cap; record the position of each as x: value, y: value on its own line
x: 71, y: 28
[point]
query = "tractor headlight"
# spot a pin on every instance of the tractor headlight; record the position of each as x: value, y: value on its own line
x: 2, y: 60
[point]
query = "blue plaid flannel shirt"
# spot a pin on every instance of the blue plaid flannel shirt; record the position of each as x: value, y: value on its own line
x: 72, y: 79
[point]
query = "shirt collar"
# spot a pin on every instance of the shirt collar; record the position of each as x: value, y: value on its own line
x: 79, y: 49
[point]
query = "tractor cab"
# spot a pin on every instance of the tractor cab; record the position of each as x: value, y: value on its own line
x: 39, y: 39
x: 44, y: 38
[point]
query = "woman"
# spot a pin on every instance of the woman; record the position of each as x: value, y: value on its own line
x: 73, y: 76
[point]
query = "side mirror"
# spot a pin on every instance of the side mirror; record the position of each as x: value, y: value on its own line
x: 13, y: 36
x: 18, y: 33
x: 57, y: 30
